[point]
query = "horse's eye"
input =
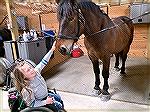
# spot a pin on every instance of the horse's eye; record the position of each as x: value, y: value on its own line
x: 70, y: 19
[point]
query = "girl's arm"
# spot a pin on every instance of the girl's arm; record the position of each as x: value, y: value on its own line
x: 46, y: 58
x: 30, y: 99
x: 38, y: 103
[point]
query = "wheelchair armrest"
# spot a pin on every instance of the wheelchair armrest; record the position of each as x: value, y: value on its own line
x: 41, y: 109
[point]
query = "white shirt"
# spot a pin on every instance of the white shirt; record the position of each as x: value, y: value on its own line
x: 37, y: 85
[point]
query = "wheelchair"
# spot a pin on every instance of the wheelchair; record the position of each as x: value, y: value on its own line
x: 37, y: 109
x: 15, y: 101
x: 5, y: 79
x: 17, y: 104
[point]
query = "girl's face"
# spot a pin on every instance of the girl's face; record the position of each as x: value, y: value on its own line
x: 28, y: 71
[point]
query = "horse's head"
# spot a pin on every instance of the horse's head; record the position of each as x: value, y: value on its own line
x: 70, y: 24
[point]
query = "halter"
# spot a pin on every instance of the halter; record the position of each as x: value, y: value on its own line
x: 76, y: 37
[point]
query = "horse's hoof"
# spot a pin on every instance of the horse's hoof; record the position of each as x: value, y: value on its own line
x: 123, y: 74
x: 105, y: 98
x: 96, y: 92
x: 117, y: 69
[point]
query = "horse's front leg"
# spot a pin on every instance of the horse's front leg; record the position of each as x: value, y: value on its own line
x: 97, y: 72
x: 96, y: 69
x: 105, y: 96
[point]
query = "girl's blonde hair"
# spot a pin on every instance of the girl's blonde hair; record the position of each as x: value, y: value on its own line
x: 19, y: 79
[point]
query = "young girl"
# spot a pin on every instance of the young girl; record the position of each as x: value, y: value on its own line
x: 31, y: 84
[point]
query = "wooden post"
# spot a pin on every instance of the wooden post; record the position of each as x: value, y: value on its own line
x: 148, y: 43
x: 40, y: 19
x: 13, y: 24
x: 148, y: 57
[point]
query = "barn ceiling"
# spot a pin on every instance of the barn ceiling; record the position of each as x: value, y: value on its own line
x: 48, y: 6
x: 96, y: 1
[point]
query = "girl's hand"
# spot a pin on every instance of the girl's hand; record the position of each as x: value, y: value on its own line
x: 49, y: 100
x: 53, y: 47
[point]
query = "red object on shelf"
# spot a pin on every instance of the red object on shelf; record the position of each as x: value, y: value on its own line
x: 77, y: 52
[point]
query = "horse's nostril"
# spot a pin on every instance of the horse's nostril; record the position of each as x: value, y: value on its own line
x: 63, y: 50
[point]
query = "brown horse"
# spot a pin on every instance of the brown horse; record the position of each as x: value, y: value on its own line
x: 103, y: 36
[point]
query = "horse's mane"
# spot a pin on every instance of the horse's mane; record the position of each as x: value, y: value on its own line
x: 89, y: 5
x: 66, y: 8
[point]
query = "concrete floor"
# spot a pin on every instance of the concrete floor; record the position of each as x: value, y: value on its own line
x: 76, y: 76
x: 74, y: 81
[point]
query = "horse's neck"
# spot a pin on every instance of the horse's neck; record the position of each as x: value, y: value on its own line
x: 106, y: 22
x: 78, y: 1
x: 96, y: 22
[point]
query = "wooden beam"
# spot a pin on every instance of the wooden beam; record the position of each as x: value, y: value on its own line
x: 13, y: 23
x: 148, y: 50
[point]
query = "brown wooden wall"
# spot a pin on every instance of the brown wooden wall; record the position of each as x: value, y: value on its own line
x: 3, y: 12
x: 49, y: 20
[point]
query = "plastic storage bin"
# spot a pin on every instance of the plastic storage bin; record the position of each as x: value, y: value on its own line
x: 32, y: 50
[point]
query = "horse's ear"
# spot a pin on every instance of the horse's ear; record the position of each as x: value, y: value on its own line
x: 57, y: 1
x: 73, y: 1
